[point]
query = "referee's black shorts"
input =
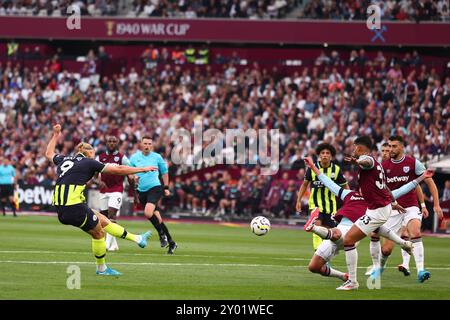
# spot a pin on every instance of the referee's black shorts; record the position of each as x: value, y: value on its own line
x: 326, y: 220
x: 152, y: 195
x: 78, y: 215
x: 6, y: 190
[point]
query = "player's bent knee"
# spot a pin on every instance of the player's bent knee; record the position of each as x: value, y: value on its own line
x: 415, y: 234
x: 337, y: 234
x: 97, y: 233
x: 314, y: 267
x: 386, y: 251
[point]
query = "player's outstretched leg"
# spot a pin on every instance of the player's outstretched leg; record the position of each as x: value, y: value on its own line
x: 319, y: 265
x: 118, y: 231
x: 391, y: 239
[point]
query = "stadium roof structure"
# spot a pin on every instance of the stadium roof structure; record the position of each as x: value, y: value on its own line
x: 441, y: 165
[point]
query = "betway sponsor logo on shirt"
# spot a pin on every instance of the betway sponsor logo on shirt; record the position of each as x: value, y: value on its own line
x: 356, y: 198
x: 397, y: 179
x: 150, y: 29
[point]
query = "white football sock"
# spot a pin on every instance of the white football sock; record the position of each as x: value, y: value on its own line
x: 375, y: 253
x: 418, y: 253
x: 108, y: 240
x: 351, y: 257
x: 322, y: 232
x: 384, y: 259
x: 330, y: 272
x: 406, y: 257
x: 101, y: 267
x: 114, y: 243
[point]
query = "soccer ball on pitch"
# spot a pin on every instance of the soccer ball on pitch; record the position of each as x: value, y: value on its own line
x: 260, y: 225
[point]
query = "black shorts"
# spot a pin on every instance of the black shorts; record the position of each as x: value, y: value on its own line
x: 6, y: 190
x: 78, y: 215
x: 152, y: 195
x: 326, y: 220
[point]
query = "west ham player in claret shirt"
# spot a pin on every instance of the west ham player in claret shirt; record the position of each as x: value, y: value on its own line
x: 111, y: 186
x: 400, y: 169
x: 354, y: 207
x: 380, y: 202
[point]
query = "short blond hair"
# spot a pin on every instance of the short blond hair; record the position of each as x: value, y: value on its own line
x: 82, y: 147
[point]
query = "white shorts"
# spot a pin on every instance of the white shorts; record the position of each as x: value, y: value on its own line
x: 329, y: 249
x: 398, y: 220
x: 395, y: 222
x: 110, y: 200
x: 411, y: 214
x: 373, y: 219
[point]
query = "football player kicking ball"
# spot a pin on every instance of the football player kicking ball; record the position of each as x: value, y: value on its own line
x: 354, y: 206
x: 380, y: 203
x: 68, y: 198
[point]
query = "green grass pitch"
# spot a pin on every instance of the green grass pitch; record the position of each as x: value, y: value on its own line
x: 213, y: 262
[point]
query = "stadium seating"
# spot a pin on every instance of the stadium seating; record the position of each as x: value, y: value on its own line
x: 321, y: 100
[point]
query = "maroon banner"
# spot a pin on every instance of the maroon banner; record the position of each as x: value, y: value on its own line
x: 223, y: 30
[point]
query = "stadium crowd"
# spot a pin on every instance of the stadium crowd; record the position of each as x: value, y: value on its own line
x: 412, y: 10
x: 58, y: 8
x: 308, y: 106
x: 401, y: 10
x: 252, y: 9
x: 268, y: 9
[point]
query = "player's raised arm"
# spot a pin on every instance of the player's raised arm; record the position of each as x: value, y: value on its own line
x: 50, y: 152
x: 126, y: 170
x: 330, y: 184
x: 397, y: 193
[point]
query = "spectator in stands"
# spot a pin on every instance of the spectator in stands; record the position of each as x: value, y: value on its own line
x: 231, y: 199
x: 379, y: 59
x: 91, y: 63
x: 446, y: 192
x: 199, y: 198
x: 286, y: 207
x: 353, y: 60
x: 322, y: 59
